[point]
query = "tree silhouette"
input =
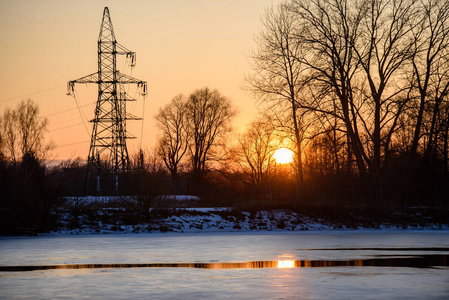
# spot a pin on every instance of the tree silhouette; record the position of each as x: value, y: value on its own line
x: 22, y: 132
x: 173, y: 143
x: 279, y: 77
x: 209, y: 115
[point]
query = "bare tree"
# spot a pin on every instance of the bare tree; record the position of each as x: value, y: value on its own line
x: 279, y: 77
x: 383, y: 51
x: 209, y: 115
x: 174, y: 124
x: 22, y: 131
x: 9, y: 135
x: 377, y: 67
x: 357, y: 51
x: 430, y: 69
x: 329, y: 29
x: 255, y: 151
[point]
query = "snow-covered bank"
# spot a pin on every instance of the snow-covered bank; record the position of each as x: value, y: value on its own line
x: 194, y: 220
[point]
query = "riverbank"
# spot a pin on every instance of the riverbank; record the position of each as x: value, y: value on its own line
x: 194, y: 220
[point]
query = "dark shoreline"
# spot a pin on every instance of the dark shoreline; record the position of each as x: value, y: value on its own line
x: 229, y: 219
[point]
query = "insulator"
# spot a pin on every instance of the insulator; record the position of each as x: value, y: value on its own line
x: 132, y: 58
x: 70, y: 88
x: 143, y: 88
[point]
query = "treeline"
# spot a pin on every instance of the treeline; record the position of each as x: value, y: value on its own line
x: 358, y: 90
x: 27, y: 192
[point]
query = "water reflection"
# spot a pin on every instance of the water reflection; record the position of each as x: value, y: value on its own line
x: 443, y: 249
x: 282, y: 264
x: 420, y: 261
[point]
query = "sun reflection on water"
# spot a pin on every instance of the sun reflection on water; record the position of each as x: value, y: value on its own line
x: 286, y: 264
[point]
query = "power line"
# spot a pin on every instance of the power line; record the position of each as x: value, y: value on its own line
x: 38, y: 92
x: 57, y: 124
x: 65, y: 127
x: 71, y: 144
x: 67, y: 110
x: 81, y: 112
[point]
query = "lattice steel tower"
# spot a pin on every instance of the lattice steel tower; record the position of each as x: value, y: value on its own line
x: 108, y: 154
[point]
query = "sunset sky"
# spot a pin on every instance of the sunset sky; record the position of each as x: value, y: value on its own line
x: 181, y: 45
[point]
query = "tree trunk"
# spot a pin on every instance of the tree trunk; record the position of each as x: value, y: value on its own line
x: 417, y: 134
x: 432, y: 134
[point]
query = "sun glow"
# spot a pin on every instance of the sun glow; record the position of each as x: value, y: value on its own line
x: 286, y: 264
x: 283, y: 156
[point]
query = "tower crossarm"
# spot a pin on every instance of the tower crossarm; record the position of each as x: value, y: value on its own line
x: 131, y: 55
x: 121, y: 78
x: 132, y: 117
x: 124, y: 79
x: 92, y: 78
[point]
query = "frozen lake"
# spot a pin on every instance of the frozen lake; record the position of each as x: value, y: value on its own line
x: 309, y: 265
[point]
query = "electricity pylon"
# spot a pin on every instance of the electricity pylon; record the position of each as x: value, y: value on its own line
x: 108, y: 154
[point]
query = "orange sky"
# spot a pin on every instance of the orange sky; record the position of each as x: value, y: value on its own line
x: 181, y: 45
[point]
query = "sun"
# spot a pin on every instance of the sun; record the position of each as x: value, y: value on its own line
x: 283, y: 156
